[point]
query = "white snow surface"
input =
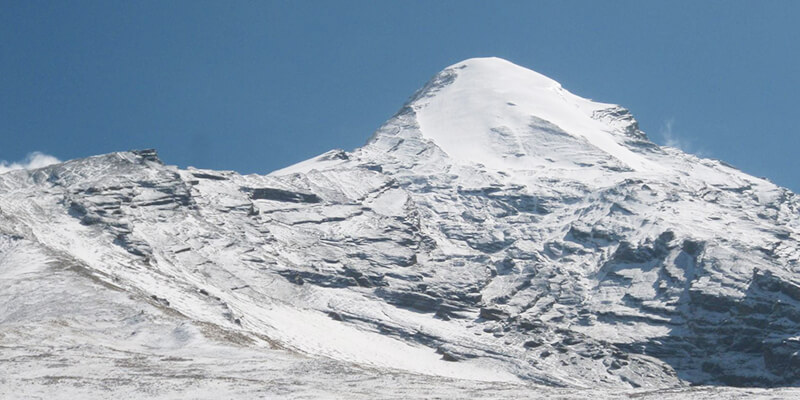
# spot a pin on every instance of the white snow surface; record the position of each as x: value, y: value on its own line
x: 495, y: 111
x: 498, y: 237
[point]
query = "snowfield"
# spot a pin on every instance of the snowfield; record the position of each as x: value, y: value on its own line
x: 499, y: 237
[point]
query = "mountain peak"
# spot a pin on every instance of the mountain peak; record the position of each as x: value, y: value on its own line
x: 501, y: 115
x: 567, y: 259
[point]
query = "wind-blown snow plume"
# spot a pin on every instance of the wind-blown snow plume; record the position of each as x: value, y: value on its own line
x: 33, y: 160
x: 670, y: 139
x: 675, y: 140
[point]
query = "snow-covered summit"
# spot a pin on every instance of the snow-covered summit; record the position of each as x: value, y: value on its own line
x: 493, y: 112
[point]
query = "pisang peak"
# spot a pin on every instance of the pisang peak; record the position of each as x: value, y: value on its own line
x: 497, y: 236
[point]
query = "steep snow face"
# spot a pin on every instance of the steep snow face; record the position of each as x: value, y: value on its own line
x: 497, y: 228
x: 492, y: 112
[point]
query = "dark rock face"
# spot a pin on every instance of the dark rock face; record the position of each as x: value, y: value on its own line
x: 282, y: 195
x: 718, y: 339
x: 411, y: 300
x: 209, y: 176
x: 148, y: 155
x: 493, y: 314
x: 750, y: 341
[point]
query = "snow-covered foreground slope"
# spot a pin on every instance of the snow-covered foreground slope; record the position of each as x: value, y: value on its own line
x: 499, y: 236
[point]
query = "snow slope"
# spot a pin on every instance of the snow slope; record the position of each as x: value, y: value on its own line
x: 508, y: 117
x: 496, y: 229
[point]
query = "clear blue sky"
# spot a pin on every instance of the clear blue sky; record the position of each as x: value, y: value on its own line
x: 255, y: 86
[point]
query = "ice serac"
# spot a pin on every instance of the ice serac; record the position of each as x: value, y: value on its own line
x: 497, y: 228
